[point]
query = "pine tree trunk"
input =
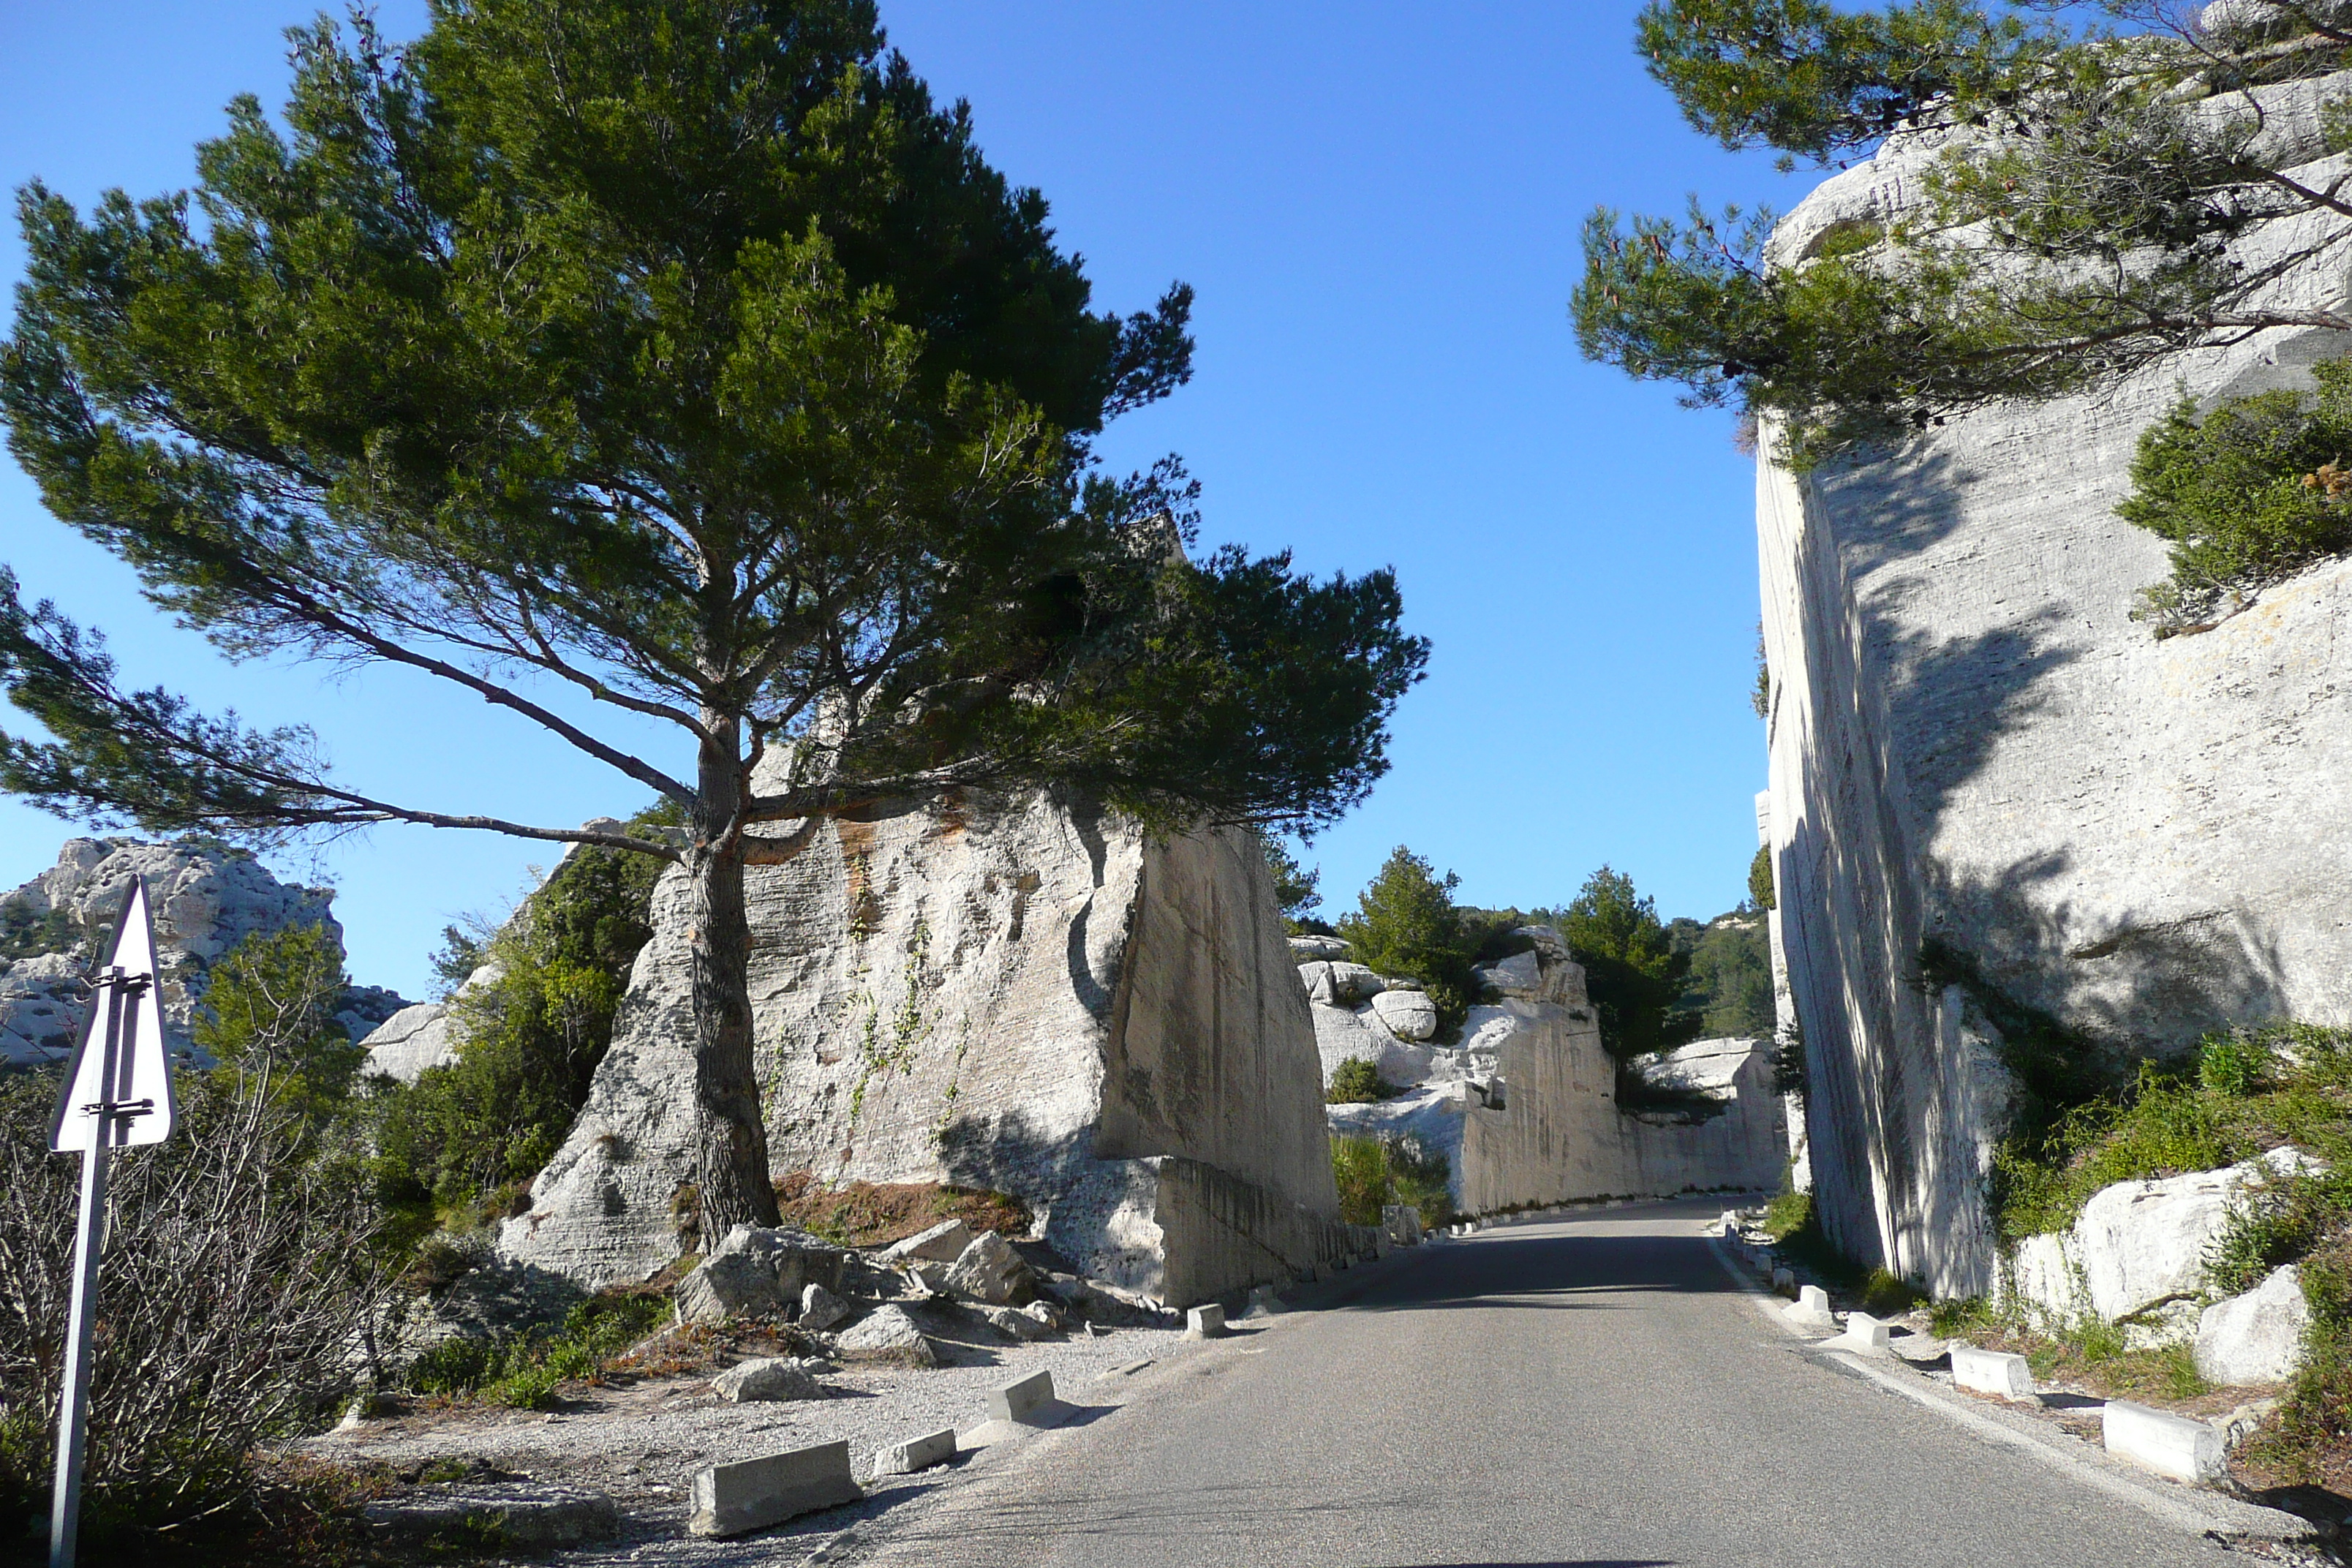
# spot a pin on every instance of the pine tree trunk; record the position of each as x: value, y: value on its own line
x: 732, y: 1160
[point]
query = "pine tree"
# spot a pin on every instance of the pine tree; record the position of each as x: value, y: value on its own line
x: 681, y: 358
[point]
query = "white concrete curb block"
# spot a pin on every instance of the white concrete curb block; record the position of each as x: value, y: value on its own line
x: 752, y: 1494
x: 916, y: 1454
x: 1021, y: 1399
x: 1993, y: 1371
x: 1865, y: 1335
x: 2171, y: 1445
x: 1205, y: 1322
x: 1812, y: 1309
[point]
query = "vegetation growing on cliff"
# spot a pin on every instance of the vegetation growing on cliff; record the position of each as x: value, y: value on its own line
x: 1373, y: 1172
x: 1407, y: 924
x: 2076, y: 228
x: 2245, y: 495
x: 1632, y: 970
x: 462, y: 1141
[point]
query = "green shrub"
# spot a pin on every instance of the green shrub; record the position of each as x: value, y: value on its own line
x: 1787, y: 1214
x: 1406, y: 924
x: 455, y: 1143
x: 2246, y: 494
x: 1373, y: 1172
x: 1760, y: 891
x: 269, y: 1010
x: 532, y: 1388
x: 522, y: 1370
x: 1357, y: 1081
x: 1885, y: 1294
x: 2232, y: 1064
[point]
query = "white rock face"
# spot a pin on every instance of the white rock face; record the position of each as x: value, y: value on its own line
x: 1021, y: 995
x: 424, y: 1034
x: 1524, y: 1108
x: 2138, y: 1247
x: 1341, y: 984
x: 205, y: 901
x: 2256, y: 1337
x: 1326, y: 949
x: 1409, y: 1015
x: 1972, y: 742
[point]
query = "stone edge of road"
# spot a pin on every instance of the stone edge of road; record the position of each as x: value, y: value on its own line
x: 2196, y: 1512
x: 1329, y: 1294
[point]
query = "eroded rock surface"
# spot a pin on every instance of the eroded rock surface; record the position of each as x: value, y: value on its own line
x: 205, y: 900
x: 1031, y: 996
x: 1979, y: 756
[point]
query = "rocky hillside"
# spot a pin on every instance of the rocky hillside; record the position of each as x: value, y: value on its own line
x: 206, y: 899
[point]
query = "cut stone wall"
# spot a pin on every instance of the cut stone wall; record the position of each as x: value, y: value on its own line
x: 1030, y: 995
x: 1972, y: 742
x: 1525, y: 1107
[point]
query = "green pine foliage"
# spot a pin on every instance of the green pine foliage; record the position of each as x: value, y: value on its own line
x: 1729, y: 989
x: 2078, y: 227
x: 24, y: 934
x: 1632, y: 972
x: 458, y: 1144
x: 1294, y: 884
x: 1406, y: 924
x: 2245, y: 495
x: 1358, y: 1082
x: 268, y: 1016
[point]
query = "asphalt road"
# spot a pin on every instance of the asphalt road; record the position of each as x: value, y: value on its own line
x: 1592, y: 1393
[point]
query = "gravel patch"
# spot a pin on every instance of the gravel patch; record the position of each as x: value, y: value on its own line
x: 641, y: 1443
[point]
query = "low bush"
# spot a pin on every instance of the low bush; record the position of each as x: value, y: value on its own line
x: 869, y: 1214
x: 2245, y: 495
x: 239, y: 1294
x: 458, y: 1144
x: 523, y: 1369
x: 1372, y: 1173
x: 1357, y: 1081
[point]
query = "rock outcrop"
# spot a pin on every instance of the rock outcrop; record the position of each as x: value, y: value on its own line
x: 1526, y: 1108
x: 1980, y: 761
x: 2140, y: 1247
x: 1031, y: 996
x: 205, y: 898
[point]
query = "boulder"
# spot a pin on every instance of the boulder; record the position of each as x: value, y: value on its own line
x: 1409, y: 1015
x: 2139, y: 1246
x: 2256, y: 1337
x: 821, y: 1309
x: 757, y: 1272
x: 1324, y: 949
x: 767, y: 1379
x: 1340, y: 985
x: 990, y: 1273
x: 887, y: 1333
x: 1016, y: 1323
x: 943, y: 1243
x: 1401, y: 1222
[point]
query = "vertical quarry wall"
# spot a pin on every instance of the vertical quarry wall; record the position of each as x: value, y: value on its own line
x: 1977, y: 754
x: 1029, y: 995
x: 1526, y: 1108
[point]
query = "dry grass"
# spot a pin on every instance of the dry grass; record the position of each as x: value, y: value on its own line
x: 867, y: 1215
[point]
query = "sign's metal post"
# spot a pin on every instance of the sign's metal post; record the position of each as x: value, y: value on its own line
x: 117, y: 1094
x: 73, y: 1410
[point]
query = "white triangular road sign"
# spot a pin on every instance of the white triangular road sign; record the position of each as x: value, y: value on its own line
x: 130, y: 1009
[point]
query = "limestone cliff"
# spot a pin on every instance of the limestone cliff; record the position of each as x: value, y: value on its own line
x: 1526, y: 1109
x: 1976, y: 754
x: 205, y: 901
x: 1031, y: 995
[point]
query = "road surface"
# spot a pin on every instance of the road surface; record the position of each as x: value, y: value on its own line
x: 1594, y: 1392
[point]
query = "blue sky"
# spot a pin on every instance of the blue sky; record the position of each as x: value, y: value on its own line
x: 1379, y: 206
